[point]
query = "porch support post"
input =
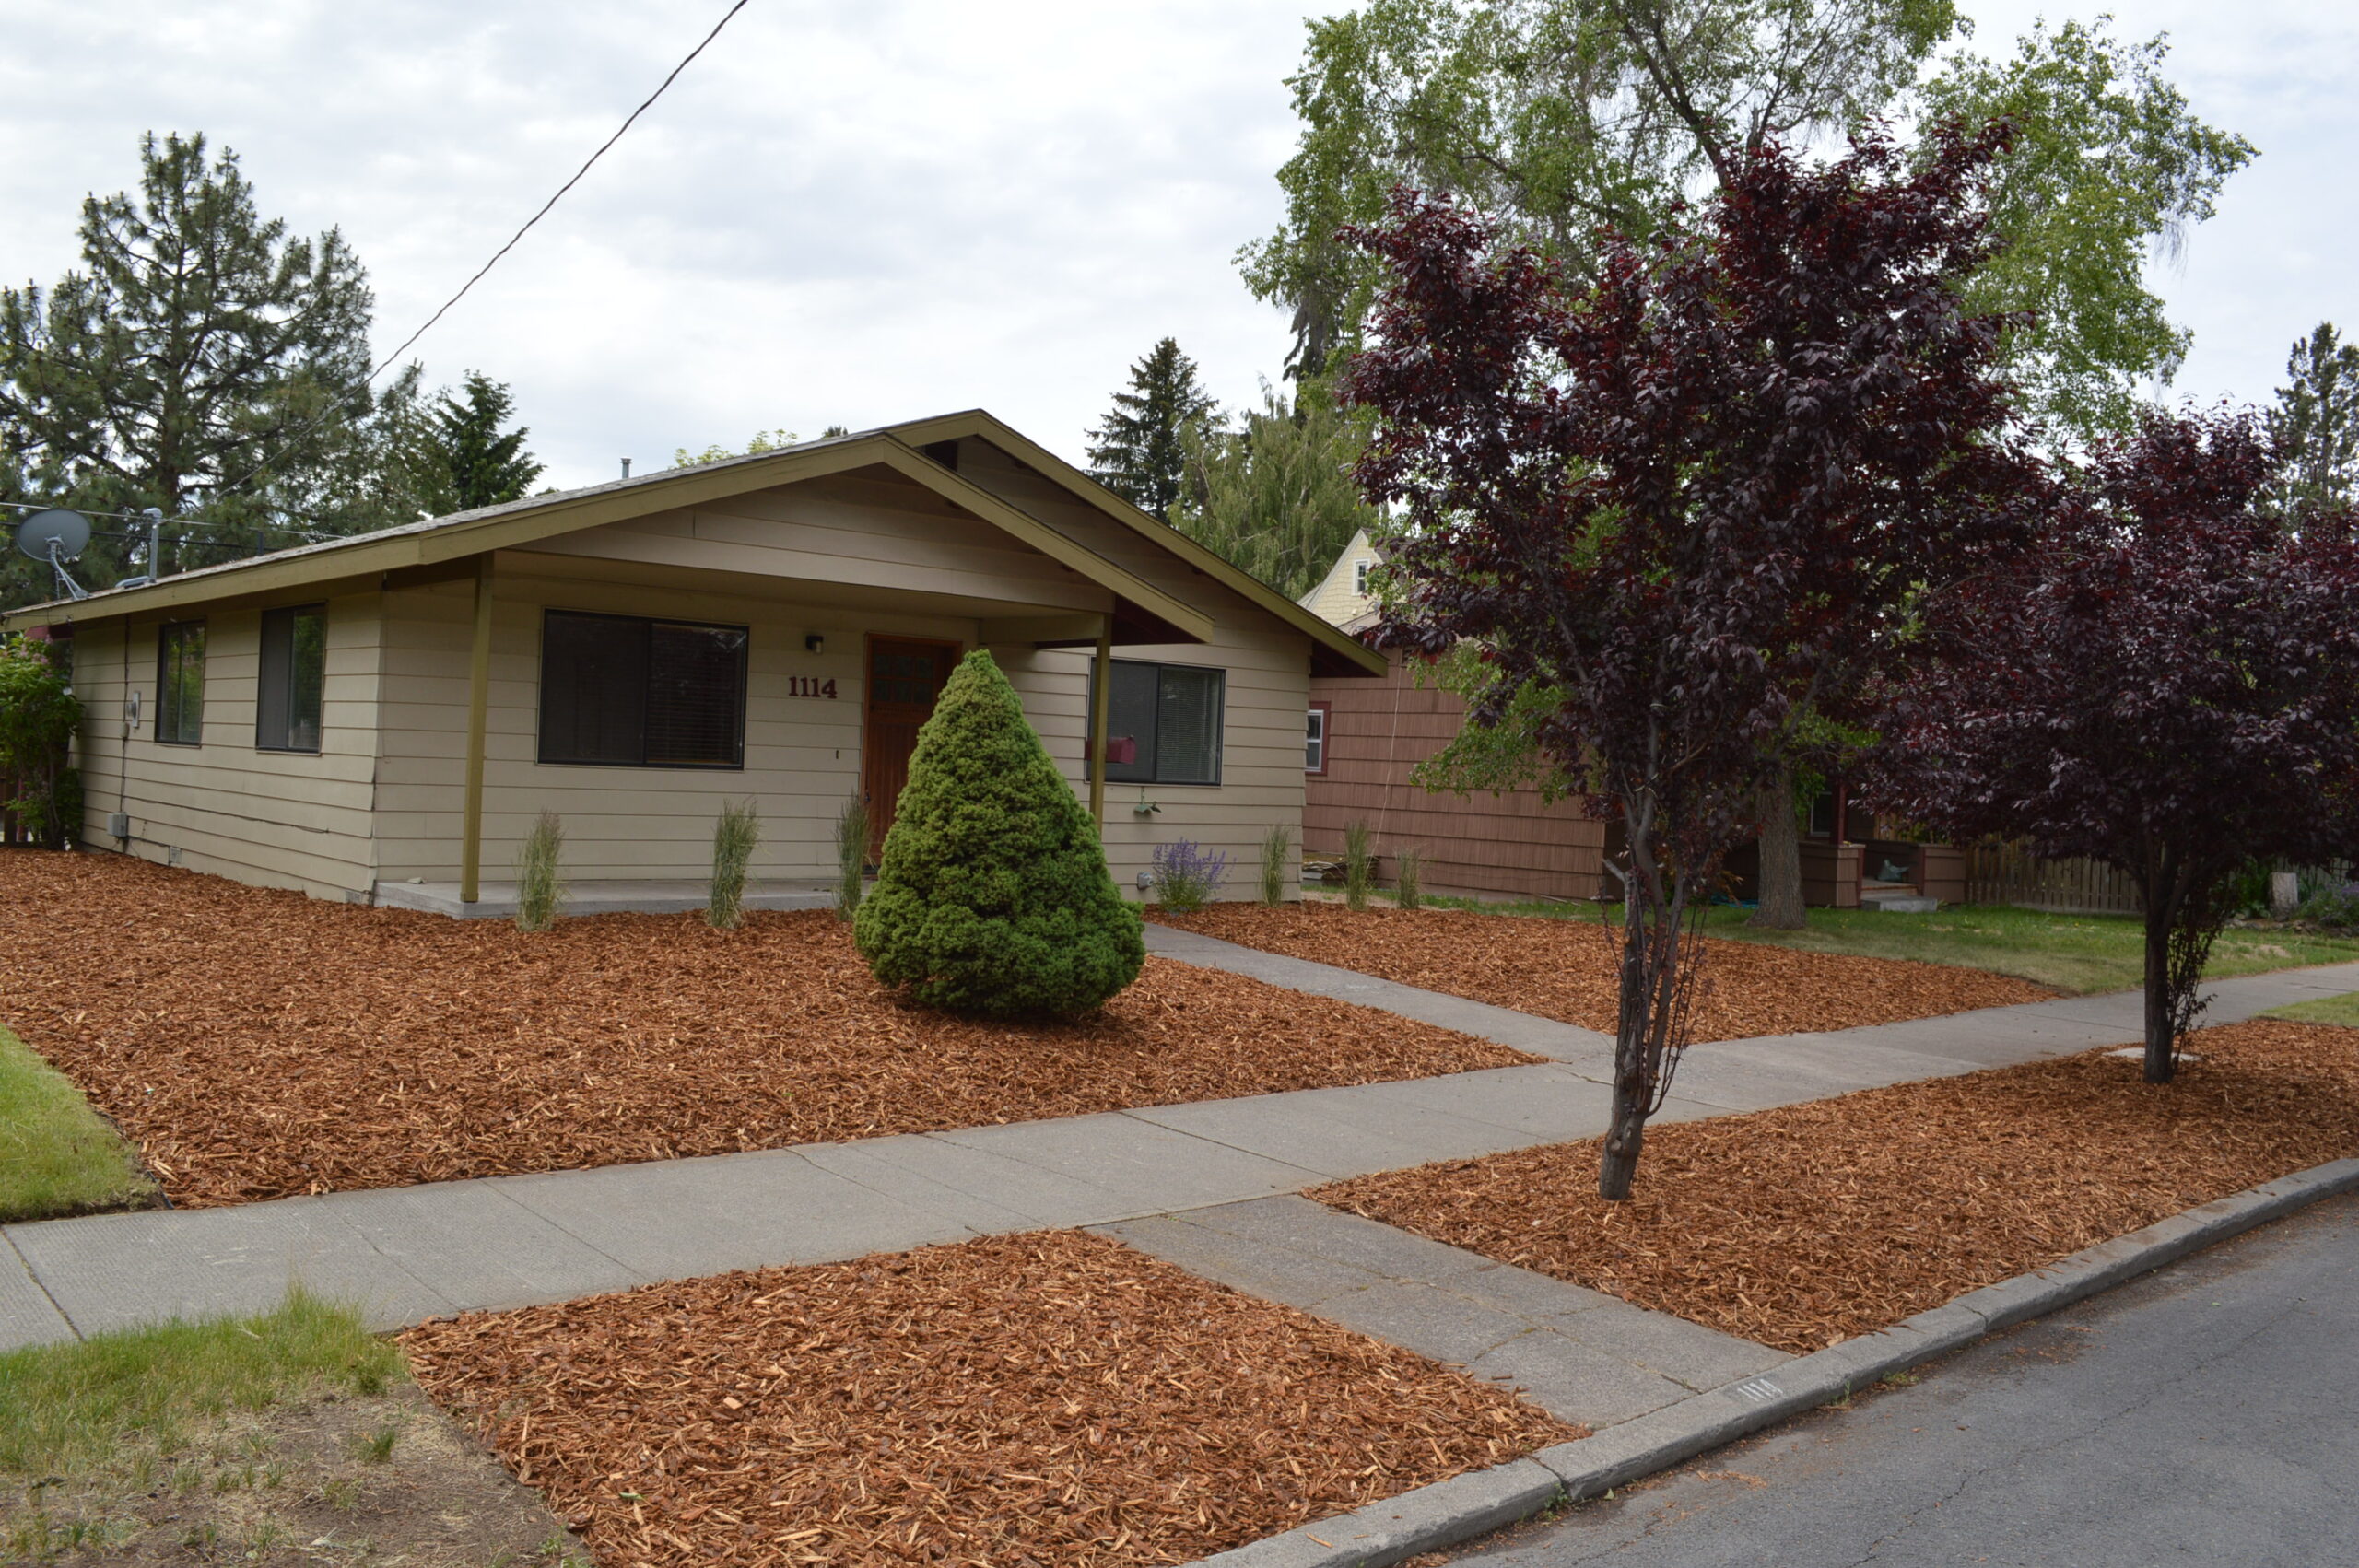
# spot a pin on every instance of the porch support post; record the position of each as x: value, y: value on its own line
x: 478, y: 715
x: 1102, y: 702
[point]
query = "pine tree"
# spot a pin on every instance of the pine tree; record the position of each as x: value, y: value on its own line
x: 193, y: 344
x: 481, y: 464
x: 2315, y: 425
x: 1139, y: 450
x: 992, y: 897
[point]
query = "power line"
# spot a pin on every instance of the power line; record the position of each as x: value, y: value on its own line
x: 387, y: 362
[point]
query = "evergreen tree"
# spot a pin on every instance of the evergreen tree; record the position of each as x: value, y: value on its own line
x: 992, y: 897
x: 2315, y: 427
x: 479, y: 465
x: 190, y: 349
x: 1139, y: 450
x: 1276, y: 496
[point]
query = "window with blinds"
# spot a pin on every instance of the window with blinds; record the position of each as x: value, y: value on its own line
x: 1163, y: 724
x: 624, y: 691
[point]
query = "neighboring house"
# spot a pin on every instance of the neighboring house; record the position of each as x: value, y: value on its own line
x: 1366, y: 737
x: 381, y: 718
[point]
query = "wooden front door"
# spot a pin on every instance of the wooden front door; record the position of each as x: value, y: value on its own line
x: 904, y: 677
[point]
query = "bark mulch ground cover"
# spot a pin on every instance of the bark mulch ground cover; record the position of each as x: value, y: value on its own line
x: 1805, y: 1225
x: 1052, y: 1399
x: 256, y: 1044
x: 1564, y: 969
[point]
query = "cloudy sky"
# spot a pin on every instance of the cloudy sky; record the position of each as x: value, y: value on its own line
x: 853, y: 214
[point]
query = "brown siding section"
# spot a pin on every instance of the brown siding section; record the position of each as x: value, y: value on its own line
x: 1507, y: 844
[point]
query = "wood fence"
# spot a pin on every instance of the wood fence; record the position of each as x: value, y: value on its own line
x: 2008, y: 873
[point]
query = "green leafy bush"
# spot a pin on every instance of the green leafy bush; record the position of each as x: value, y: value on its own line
x: 39, y: 714
x: 734, y: 836
x: 540, y: 886
x: 993, y: 896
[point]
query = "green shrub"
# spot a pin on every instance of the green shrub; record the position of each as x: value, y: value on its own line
x: 734, y: 836
x: 1360, y: 863
x: 993, y: 896
x: 1277, y: 859
x: 540, y: 889
x: 1409, y: 865
x: 39, y: 714
x: 851, y: 856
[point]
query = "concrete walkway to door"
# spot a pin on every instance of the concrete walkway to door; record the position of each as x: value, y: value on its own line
x: 1209, y: 1185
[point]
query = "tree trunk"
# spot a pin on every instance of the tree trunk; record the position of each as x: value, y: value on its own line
x: 1634, y: 1062
x: 2161, y: 907
x: 1779, y: 905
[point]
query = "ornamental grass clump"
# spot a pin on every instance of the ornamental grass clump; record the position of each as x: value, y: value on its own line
x: 540, y: 886
x: 734, y: 836
x: 1409, y: 867
x: 994, y: 898
x: 1360, y: 863
x: 1277, y: 859
x: 851, y: 857
x: 1184, y: 874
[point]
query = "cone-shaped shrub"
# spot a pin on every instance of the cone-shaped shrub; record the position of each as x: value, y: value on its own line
x: 992, y: 897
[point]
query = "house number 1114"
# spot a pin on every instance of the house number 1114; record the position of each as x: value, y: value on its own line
x: 809, y: 685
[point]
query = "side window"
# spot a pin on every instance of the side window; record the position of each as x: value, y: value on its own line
x: 1359, y: 575
x: 1164, y: 724
x: 1314, y: 754
x: 294, y: 669
x: 180, y: 683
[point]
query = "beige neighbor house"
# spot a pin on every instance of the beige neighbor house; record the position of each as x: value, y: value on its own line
x: 382, y: 718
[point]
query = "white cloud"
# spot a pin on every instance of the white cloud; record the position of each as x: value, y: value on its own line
x: 857, y: 214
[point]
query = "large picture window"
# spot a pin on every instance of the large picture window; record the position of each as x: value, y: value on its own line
x: 1163, y: 724
x: 294, y: 669
x: 180, y: 683
x: 630, y: 692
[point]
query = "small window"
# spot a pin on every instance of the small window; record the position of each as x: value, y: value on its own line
x: 1314, y: 755
x: 623, y: 691
x: 294, y: 662
x: 1359, y: 575
x: 1163, y: 723
x: 180, y: 683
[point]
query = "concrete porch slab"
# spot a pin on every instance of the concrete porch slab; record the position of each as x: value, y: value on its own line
x: 607, y: 898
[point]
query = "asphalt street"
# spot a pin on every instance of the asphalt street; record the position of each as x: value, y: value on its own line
x: 2203, y: 1414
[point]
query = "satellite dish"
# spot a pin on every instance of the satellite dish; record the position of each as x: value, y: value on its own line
x: 55, y: 535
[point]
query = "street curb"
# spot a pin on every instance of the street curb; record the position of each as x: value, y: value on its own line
x: 1448, y: 1512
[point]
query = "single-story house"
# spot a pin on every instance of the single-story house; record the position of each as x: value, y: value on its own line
x: 382, y: 718
x: 1368, y: 736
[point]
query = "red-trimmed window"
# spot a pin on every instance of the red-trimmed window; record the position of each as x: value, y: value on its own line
x: 1314, y: 751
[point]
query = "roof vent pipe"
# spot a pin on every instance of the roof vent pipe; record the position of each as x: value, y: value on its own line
x: 626, y: 468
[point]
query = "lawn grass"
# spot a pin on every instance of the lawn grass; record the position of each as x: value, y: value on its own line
x: 57, y: 1155
x: 2342, y: 1010
x: 2070, y: 953
x: 67, y: 1409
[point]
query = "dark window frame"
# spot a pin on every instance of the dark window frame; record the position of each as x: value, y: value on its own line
x: 276, y: 731
x: 1326, y: 712
x: 650, y: 677
x: 1147, y: 769
x: 170, y: 638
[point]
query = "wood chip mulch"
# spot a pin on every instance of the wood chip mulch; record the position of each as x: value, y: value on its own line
x: 1052, y: 1399
x: 259, y: 1044
x: 1564, y: 969
x: 1805, y: 1225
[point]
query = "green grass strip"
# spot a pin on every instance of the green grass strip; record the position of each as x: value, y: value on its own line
x: 2342, y: 1010
x: 67, y: 1409
x: 57, y: 1155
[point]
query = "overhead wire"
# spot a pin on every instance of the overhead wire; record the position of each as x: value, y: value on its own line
x: 686, y: 61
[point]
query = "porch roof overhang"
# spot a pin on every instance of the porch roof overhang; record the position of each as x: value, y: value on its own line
x: 446, y: 546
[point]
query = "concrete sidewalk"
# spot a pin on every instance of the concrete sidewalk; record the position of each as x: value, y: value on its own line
x: 410, y: 1253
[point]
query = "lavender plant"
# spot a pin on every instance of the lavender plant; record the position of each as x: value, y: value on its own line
x: 1184, y: 874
